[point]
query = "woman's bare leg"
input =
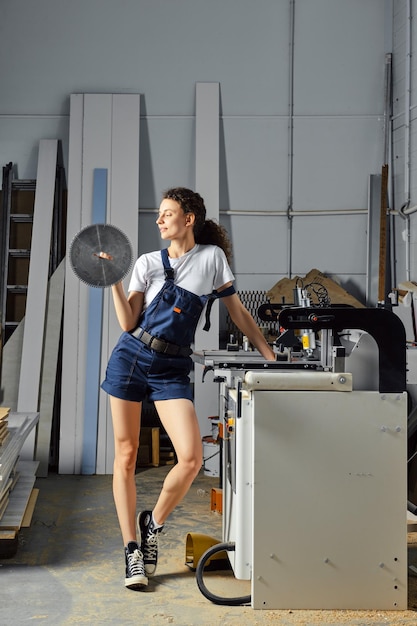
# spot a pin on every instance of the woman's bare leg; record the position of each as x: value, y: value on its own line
x: 180, y: 421
x: 126, y: 426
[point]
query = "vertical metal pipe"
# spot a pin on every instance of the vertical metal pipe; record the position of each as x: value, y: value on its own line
x: 407, y: 104
x: 387, y: 103
x: 290, y: 138
x: 384, y: 261
x: 407, y: 162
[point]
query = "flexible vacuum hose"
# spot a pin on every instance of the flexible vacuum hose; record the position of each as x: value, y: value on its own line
x: 218, y: 547
x: 412, y: 507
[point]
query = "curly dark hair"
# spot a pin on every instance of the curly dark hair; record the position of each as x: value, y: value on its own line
x: 205, y: 231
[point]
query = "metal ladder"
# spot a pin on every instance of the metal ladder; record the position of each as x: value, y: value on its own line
x: 11, y: 253
x: 8, y: 249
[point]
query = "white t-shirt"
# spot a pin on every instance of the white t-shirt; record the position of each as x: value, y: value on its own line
x: 200, y: 270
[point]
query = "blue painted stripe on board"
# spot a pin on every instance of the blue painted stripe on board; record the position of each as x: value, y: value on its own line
x: 94, y: 334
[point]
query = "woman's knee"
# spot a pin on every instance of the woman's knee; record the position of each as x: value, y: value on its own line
x: 192, y: 465
x: 126, y: 455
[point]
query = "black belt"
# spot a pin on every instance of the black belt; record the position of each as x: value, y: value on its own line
x: 160, y: 345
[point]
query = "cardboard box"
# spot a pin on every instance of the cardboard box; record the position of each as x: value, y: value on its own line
x: 283, y: 290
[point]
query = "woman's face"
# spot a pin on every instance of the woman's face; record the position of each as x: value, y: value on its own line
x: 172, y: 221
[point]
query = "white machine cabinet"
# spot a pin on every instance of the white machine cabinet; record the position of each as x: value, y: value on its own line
x: 315, y: 470
x: 329, y: 500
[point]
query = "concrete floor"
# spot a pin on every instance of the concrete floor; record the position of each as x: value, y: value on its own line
x: 69, y: 567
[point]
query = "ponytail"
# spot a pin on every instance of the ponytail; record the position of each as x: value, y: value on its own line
x: 205, y: 231
x: 213, y: 233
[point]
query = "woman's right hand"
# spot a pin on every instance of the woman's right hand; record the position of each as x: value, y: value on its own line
x: 104, y: 255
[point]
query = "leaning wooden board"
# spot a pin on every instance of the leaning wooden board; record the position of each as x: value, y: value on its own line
x: 4, y: 412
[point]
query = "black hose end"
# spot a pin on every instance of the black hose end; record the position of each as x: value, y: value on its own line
x: 218, y: 547
x: 412, y: 507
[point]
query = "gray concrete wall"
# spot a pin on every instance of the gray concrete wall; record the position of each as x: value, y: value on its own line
x: 302, y: 112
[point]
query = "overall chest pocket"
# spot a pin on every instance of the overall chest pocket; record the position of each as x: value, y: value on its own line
x: 176, y: 315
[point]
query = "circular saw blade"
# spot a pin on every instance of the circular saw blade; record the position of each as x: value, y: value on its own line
x: 101, y: 255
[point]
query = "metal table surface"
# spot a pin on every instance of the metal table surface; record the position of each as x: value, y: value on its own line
x: 241, y: 359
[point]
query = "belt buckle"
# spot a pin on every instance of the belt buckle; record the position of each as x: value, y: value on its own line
x: 157, y: 344
x: 167, y: 348
x: 160, y: 345
x: 151, y: 341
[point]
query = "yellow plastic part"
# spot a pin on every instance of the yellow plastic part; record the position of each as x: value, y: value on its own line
x: 196, y: 545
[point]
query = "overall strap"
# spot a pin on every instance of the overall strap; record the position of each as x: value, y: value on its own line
x: 229, y: 291
x: 169, y: 271
x: 169, y: 275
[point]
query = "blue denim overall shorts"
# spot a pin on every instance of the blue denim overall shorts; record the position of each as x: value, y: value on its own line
x: 153, y: 360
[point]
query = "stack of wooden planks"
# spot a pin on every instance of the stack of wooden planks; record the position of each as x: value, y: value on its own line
x: 4, y: 430
x: 17, y: 479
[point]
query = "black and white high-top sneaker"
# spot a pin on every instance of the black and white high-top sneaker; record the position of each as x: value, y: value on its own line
x: 135, y: 568
x: 149, y: 541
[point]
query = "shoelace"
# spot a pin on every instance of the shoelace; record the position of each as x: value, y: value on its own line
x: 136, y: 565
x: 151, y: 546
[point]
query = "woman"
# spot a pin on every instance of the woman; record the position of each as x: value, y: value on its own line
x: 167, y: 293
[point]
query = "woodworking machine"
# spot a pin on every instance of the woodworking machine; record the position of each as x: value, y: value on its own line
x: 314, y: 466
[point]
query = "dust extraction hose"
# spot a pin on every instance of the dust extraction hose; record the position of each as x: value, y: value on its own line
x: 412, y: 507
x: 218, y: 547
